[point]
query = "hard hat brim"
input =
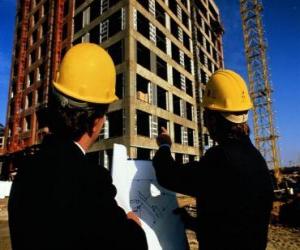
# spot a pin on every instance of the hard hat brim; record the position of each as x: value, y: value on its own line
x: 77, y: 96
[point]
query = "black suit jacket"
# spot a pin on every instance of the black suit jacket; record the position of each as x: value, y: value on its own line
x: 61, y: 201
x: 233, y: 190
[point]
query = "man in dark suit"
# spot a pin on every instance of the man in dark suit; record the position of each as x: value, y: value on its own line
x: 231, y: 181
x: 59, y: 200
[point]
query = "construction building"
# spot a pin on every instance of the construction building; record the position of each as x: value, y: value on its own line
x: 164, y: 52
x: 1, y: 139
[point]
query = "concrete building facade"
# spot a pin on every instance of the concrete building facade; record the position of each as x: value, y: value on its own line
x: 164, y: 52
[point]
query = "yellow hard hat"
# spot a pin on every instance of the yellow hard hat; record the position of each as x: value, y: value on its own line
x: 226, y: 91
x: 87, y: 73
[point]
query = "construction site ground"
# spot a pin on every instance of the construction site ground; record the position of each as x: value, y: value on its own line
x: 280, y: 238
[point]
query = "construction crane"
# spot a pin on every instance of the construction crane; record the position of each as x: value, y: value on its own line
x: 259, y: 80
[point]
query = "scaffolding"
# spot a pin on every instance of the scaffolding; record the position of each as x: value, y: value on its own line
x: 260, y: 86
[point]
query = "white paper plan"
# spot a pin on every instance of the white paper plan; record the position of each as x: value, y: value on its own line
x: 138, y: 191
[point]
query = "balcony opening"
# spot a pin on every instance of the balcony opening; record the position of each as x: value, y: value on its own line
x: 143, y: 56
x: 190, y: 137
x: 115, y: 121
x: 143, y: 153
x: 161, y: 98
x: 116, y: 51
x: 142, y: 86
x: 176, y: 105
x: 143, y: 25
x: 143, y: 123
x: 177, y: 133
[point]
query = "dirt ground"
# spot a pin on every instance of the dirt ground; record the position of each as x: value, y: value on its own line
x: 280, y: 238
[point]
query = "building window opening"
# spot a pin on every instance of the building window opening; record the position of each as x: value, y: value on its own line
x: 78, y: 22
x: 161, y: 68
x: 143, y: 153
x: 174, y: 28
x: 27, y: 123
x: 95, y: 35
x: 190, y: 137
x: 78, y: 3
x: 185, y: 20
x: 162, y: 123
x: 115, y: 23
x: 189, y: 87
x: 179, y: 158
x: 189, y: 111
x: 143, y: 25
x: 143, y: 123
x: 160, y: 40
x: 161, y: 98
x: 143, y: 56
x: 95, y: 9
x: 142, y: 86
x: 120, y: 85
x: 175, y: 53
x: 176, y: 79
x: 187, y: 63
x: 177, y: 133
x: 115, y: 121
x: 116, y: 51
x: 176, y: 105
x: 160, y: 14
x: 144, y: 3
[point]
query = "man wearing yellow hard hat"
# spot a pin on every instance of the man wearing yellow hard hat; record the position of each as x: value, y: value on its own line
x: 231, y: 182
x: 60, y: 200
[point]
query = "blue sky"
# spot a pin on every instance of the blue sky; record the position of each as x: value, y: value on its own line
x: 281, y: 21
x: 282, y: 27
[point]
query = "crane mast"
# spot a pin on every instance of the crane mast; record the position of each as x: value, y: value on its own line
x: 259, y: 81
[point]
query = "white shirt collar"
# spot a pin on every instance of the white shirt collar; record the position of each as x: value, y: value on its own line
x: 80, y: 147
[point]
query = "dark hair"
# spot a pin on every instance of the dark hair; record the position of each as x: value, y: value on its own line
x: 71, y: 122
x: 225, y: 129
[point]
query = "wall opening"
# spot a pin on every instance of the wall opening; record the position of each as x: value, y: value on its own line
x: 143, y: 123
x: 142, y: 86
x: 143, y: 153
x: 143, y: 56
x: 177, y: 133
x: 115, y: 121
x: 161, y: 98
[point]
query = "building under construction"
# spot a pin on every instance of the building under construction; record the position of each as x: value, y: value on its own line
x: 164, y: 52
